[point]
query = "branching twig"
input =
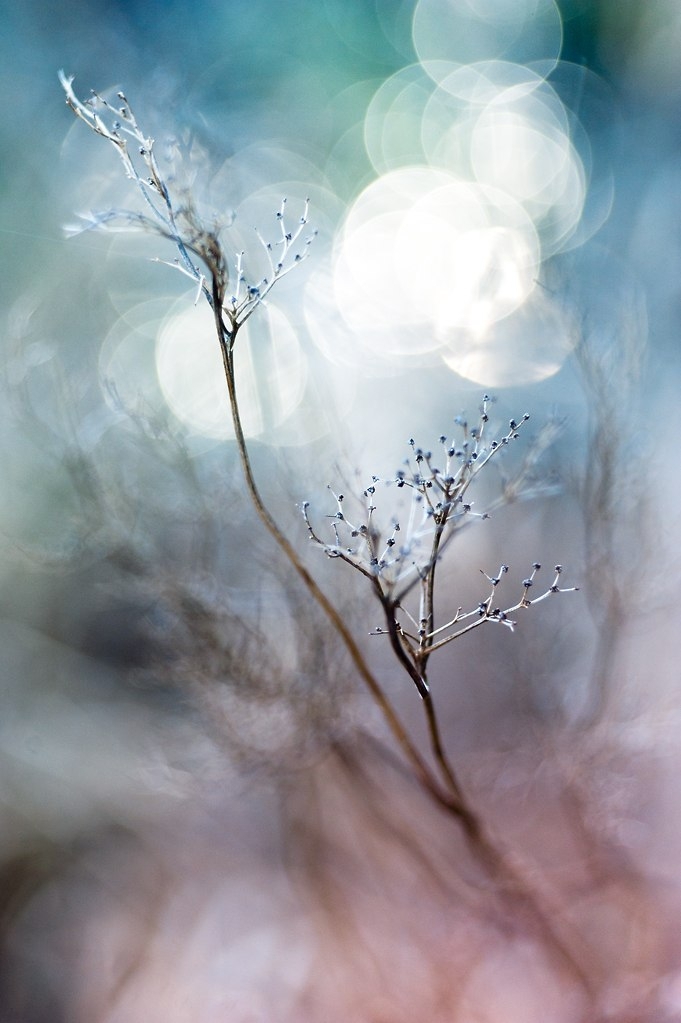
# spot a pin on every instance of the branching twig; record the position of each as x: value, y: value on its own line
x: 394, y: 571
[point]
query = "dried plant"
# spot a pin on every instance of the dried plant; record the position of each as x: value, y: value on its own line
x: 396, y: 565
x: 399, y: 557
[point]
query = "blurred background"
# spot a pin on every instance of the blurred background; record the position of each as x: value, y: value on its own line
x: 198, y: 815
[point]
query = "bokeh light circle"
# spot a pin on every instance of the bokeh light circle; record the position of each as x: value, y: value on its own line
x: 393, y: 118
x: 465, y: 31
x: 423, y: 248
x: 270, y: 367
x: 528, y: 346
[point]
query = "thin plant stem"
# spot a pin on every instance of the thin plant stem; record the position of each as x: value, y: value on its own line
x: 513, y: 887
x: 454, y: 802
x: 229, y: 316
x: 421, y: 682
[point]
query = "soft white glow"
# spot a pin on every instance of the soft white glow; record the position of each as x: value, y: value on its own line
x: 421, y: 248
x: 470, y: 30
x: 373, y: 282
x: 529, y: 345
x: 473, y: 254
x: 127, y: 367
x: 392, y: 123
x: 271, y: 372
x: 520, y: 143
x: 502, y: 125
x: 372, y: 348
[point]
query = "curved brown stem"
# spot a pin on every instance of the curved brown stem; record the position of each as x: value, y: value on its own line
x: 398, y: 730
x: 511, y: 884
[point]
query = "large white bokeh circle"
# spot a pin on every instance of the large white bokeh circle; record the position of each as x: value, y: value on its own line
x: 270, y: 367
